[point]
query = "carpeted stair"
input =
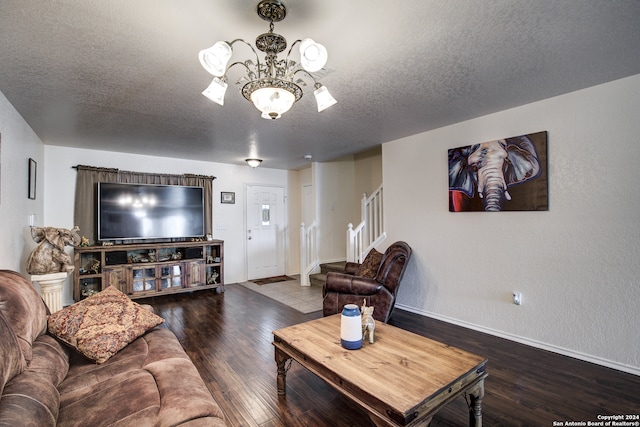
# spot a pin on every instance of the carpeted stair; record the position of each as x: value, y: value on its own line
x: 318, y: 279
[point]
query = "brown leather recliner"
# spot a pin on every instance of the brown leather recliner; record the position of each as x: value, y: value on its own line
x: 342, y: 288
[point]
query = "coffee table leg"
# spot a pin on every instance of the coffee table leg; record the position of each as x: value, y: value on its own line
x: 281, y: 360
x: 475, y: 411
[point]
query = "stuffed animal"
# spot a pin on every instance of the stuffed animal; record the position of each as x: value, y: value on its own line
x: 368, y: 323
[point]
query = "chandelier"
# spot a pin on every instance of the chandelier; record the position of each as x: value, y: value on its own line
x: 272, y: 85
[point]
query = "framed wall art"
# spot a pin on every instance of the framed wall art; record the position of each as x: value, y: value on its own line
x: 507, y: 174
x: 33, y: 173
x: 227, y: 197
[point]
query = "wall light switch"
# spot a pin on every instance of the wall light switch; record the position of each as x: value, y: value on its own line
x: 517, y: 298
x: 33, y: 218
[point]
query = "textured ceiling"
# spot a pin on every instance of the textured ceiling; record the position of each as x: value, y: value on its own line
x: 124, y: 75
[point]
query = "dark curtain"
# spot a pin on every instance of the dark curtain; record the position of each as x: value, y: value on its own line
x: 87, y: 179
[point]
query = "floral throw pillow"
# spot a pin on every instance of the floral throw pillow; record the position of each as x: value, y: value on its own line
x: 370, y: 265
x: 102, y: 324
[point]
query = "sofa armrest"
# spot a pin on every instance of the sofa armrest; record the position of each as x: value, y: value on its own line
x: 348, y: 284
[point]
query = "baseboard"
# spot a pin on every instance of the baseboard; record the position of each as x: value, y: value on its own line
x: 533, y: 343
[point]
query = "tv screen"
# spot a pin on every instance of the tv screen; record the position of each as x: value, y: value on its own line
x: 142, y: 211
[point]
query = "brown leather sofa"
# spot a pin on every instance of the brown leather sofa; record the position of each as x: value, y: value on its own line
x: 380, y: 291
x: 151, y: 382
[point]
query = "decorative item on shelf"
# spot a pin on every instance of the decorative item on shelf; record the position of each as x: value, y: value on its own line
x: 368, y: 322
x: 94, y: 268
x: 151, y: 255
x: 176, y: 256
x: 216, y: 259
x: 84, y: 242
x: 49, y: 256
x: 209, y: 259
x: 209, y: 236
x: 107, y: 243
x: 88, y: 290
x: 212, y: 279
x: 351, y: 327
x: 273, y: 86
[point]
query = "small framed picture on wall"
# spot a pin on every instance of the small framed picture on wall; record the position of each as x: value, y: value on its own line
x: 33, y: 172
x: 227, y: 197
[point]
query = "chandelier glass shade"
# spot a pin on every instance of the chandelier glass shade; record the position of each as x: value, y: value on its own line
x: 272, y: 85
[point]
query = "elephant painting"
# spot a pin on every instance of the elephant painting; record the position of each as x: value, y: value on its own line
x: 491, y: 168
x: 49, y: 256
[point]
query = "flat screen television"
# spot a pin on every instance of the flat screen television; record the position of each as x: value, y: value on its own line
x: 143, y: 211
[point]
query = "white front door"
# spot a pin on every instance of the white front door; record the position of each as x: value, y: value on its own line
x: 265, y: 231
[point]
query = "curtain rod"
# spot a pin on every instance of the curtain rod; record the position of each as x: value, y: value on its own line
x: 116, y: 170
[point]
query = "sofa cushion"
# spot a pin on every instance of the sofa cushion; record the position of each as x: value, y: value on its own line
x: 23, y: 309
x: 103, y: 324
x: 130, y: 398
x: 154, y: 370
x: 370, y: 265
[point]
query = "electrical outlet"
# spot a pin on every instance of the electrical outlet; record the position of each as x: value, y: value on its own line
x: 517, y: 298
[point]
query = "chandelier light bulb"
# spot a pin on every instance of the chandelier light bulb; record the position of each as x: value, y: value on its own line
x: 324, y: 98
x: 216, y: 58
x: 313, y: 56
x: 216, y: 91
x: 272, y: 102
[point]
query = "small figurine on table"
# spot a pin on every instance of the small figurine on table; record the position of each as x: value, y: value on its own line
x: 368, y: 323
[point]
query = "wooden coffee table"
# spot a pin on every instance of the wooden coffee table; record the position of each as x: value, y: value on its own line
x: 402, y: 379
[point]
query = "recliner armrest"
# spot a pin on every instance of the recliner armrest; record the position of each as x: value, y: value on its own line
x: 351, y: 267
x: 349, y: 284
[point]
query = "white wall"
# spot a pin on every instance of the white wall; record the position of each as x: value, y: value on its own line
x: 18, y: 143
x: 333, y: 183
x: 577, y: 265
x: 368, y: 176
x: 228, y: 219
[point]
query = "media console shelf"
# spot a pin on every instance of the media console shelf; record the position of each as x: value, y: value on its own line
x: 144, y: 270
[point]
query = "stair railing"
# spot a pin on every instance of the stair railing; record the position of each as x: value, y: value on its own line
x: 370, y: 231
x: 309, y: 260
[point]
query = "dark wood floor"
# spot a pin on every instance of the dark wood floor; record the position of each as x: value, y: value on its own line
x: 228, y: 336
